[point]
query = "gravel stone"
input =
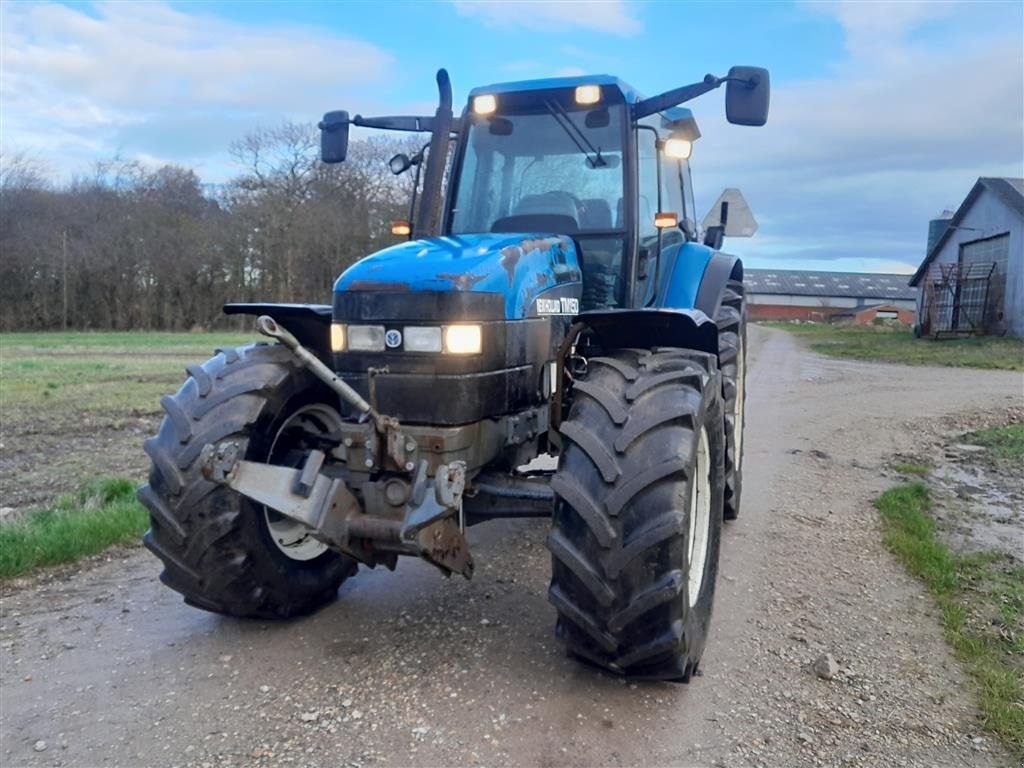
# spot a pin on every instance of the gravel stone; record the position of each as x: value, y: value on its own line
x: 826, y: 667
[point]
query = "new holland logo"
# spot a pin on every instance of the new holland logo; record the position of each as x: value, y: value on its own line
x: 562, y: 306
x: 393, y: 339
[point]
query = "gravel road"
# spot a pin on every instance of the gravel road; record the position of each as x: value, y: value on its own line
x: 108, y: 667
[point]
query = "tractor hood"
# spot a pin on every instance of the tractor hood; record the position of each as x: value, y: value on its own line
x: 517, y: 266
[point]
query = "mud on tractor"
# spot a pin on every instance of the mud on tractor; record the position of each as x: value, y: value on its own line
x: 555, y: 297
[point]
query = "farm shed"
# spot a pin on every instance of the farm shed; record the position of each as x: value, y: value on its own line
x: 972, y: 278
x: 789, y: 294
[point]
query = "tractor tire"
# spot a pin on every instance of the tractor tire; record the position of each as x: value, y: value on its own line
x: 639, y: 480
x: 732, y: 350
x: 217, y: 547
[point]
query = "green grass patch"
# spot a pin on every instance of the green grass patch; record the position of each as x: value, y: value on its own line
x: 76, y: 525
x: 1005, y: 444
x: 910, y: 468
x: 981, y: 599
x: 899, y: 346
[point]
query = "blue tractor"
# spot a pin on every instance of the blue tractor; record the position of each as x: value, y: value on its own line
x: 554, y: 338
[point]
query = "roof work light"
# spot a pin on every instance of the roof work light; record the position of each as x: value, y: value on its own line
x: 588, y: 94
x: 485, y: 104
x: 677, y: 149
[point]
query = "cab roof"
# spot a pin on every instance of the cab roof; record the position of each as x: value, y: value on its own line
x: 629, y: 93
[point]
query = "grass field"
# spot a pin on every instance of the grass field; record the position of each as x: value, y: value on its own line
x: 77, y: 406
x: 899, y: 346
x: 981, y: 599
x: 88, y: 372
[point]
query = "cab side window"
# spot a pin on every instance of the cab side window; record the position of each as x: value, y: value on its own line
x: 647, y: 184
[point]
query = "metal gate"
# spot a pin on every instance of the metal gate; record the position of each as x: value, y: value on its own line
x: 959, y: 300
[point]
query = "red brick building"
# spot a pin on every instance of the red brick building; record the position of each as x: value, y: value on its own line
x: 861, y: 298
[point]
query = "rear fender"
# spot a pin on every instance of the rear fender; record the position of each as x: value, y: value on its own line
x: 720, y: 270
x: 309, y: 323
x: 695, y: 277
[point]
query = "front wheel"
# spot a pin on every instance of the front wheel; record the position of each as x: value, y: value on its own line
x: 638, y: 512
x: 220, y: 550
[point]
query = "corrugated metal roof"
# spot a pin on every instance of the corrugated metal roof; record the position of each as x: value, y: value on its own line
x: 861, y: 285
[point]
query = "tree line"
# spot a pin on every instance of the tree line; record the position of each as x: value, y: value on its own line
x: 131, y: 247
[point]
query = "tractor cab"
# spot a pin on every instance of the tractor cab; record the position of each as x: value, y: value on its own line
x: 564, y: 157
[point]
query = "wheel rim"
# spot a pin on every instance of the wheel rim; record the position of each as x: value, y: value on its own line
x: 310, y: 424
x: 741, y: 396
x: 700, y: 518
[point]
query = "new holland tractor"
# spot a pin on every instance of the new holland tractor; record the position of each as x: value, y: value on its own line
x: 554, y: 297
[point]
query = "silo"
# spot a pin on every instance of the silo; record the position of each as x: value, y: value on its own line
x: 936, y: 227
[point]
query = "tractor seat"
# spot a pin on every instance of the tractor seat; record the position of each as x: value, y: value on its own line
x: 597, y: 214
x: 550, y: 212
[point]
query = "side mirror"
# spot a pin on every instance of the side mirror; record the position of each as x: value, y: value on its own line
x: 746, y: 96
x: 334, y: 137
x: 400, y: 163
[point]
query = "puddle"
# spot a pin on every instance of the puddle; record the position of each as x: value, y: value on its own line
x: 979, y: 507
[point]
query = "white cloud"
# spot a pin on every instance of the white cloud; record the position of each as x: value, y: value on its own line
x: 853, y: 164
x: 73, y: 80
x: 873, y: 27
x: 612, y: 16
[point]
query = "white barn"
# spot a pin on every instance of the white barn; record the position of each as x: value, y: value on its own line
x: 977, y: 261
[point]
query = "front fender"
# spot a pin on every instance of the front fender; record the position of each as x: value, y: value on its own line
x: 646, y: 328
x: 309, y: 323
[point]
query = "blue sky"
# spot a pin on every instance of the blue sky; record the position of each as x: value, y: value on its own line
x: 882, y: 114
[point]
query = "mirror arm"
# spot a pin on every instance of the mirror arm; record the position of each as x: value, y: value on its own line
x: 396, y: 123
x: 678, y: 96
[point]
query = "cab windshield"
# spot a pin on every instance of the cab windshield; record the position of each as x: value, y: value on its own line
x: 542, y: 163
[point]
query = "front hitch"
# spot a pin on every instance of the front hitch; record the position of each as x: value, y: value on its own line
x: 422, y: 519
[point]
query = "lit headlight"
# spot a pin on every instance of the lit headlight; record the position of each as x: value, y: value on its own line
x: 422, y: 338
x: 366, y: 338
x: 463, y: 339
x: 337, y: 337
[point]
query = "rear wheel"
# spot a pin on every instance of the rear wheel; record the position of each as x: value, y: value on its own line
x: 732, y: 341
x: 221, y: 551
x: 638, y: 512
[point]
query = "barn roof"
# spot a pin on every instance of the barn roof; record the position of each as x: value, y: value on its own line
x: 798, y: 282
x: 1009, y: 191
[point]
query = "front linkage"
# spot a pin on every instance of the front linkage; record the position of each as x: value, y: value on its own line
x: 405, y: 512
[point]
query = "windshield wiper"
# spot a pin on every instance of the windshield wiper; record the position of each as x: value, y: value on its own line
x: 560, y: 115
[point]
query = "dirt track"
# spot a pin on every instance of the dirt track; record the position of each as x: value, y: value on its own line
x: 110, y: 668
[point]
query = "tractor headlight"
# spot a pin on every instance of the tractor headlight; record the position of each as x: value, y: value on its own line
x: 337, y: 337
x: 422, y: 338
x: 463, y: 339
x: 366, y: 338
